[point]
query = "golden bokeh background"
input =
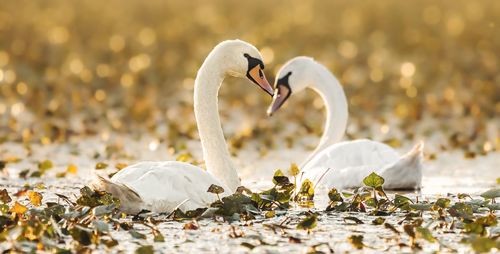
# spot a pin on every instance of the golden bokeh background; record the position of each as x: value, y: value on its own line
x: 81, y: 67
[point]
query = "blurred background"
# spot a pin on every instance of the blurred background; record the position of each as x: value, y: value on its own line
x: 411, y: 69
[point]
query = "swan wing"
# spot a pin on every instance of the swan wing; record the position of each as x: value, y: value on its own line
x: 354, y: 154
x: 162, y: 186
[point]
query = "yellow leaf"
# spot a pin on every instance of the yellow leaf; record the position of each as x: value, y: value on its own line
x: 184, y: 157
x: 45, y: 165
x: 101, y: 165
x: 18, y: 208
x: 294, y: 169
x: 35, y: 198
x: 12, y: 159
x: 72, y: 169
x: 120, y: 166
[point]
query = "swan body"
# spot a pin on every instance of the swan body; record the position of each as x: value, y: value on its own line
x: 346, y: 164
x: 343, y: 164
x: 164, y: 186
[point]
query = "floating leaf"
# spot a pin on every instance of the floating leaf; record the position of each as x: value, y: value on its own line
x: 190, y: 226
x: 354, y: 219
x: 270, y: 214
x: 45, y: 165
x: 100, y: 226
x: 248, y: 245
x: 421, y: 206
x: 409, y: 230
x: 483, y: 244
x: 145, y: 249
x: 158, y: 236
x: 373, y: 180
x: 292, y: 239
x: 356, y: 241
x: 279, y: 178
x: 136, y: 234
x: 491, y: 193
x: 391, y: 227
x: 426, y: 234
x: 120, y: 166
x: 309, y: 222
x: 35, y: 198
x: 101, y: 165
x: 216, y: 189
x: 461, y: 210
x: 378, y: 221
x: 4, y: 196
x: 18, y: 208
x: 72, y: 169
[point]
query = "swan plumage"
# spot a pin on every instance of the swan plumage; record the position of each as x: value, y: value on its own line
x: 343, y: 164
x: 163, y: 186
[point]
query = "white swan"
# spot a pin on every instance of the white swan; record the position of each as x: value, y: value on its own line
x: 162, y: 186
x: 349, y: 161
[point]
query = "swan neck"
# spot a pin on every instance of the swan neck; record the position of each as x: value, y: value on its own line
x: 215, y: 152
x: 335, y: 101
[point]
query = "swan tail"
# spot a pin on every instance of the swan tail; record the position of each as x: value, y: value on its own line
x: 129, y: 199
x: 406, y: 173
x: 416, y: 154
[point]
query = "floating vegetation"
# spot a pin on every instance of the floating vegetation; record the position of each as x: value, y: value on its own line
x: 90, y: 221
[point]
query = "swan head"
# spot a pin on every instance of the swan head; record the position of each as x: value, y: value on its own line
x: 242, y: 59
x: 293, y: 76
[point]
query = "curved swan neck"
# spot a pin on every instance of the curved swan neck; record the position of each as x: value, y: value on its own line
x: 215, y: 152
x: 330, y: 90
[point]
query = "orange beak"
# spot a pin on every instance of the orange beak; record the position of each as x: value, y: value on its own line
x: 257, y: 76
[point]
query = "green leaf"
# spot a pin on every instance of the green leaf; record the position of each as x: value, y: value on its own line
x: 498, y: 180
x: 378, y: 221
x: 373, y: 180
x: 158, y: 237
x: 461, y: 210
x: 354, y: 219
x: 442, y: 202
x: 309, y: 222
x: 483, y: 244
x: 101, y: 226
x: 270, y: 214
x: 335, y: 196
x: 356, y: 241
x: 371, y: 202
x: 145, y: 249
x: 216, y: 189
x: 491, y: 193
x: 421, y: 206
x: 136, y: 234
x: 279, y: 178
x: 45, y: 165
x: 425, y: 233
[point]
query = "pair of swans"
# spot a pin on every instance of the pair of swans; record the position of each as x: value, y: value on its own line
x: 165, y: 186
